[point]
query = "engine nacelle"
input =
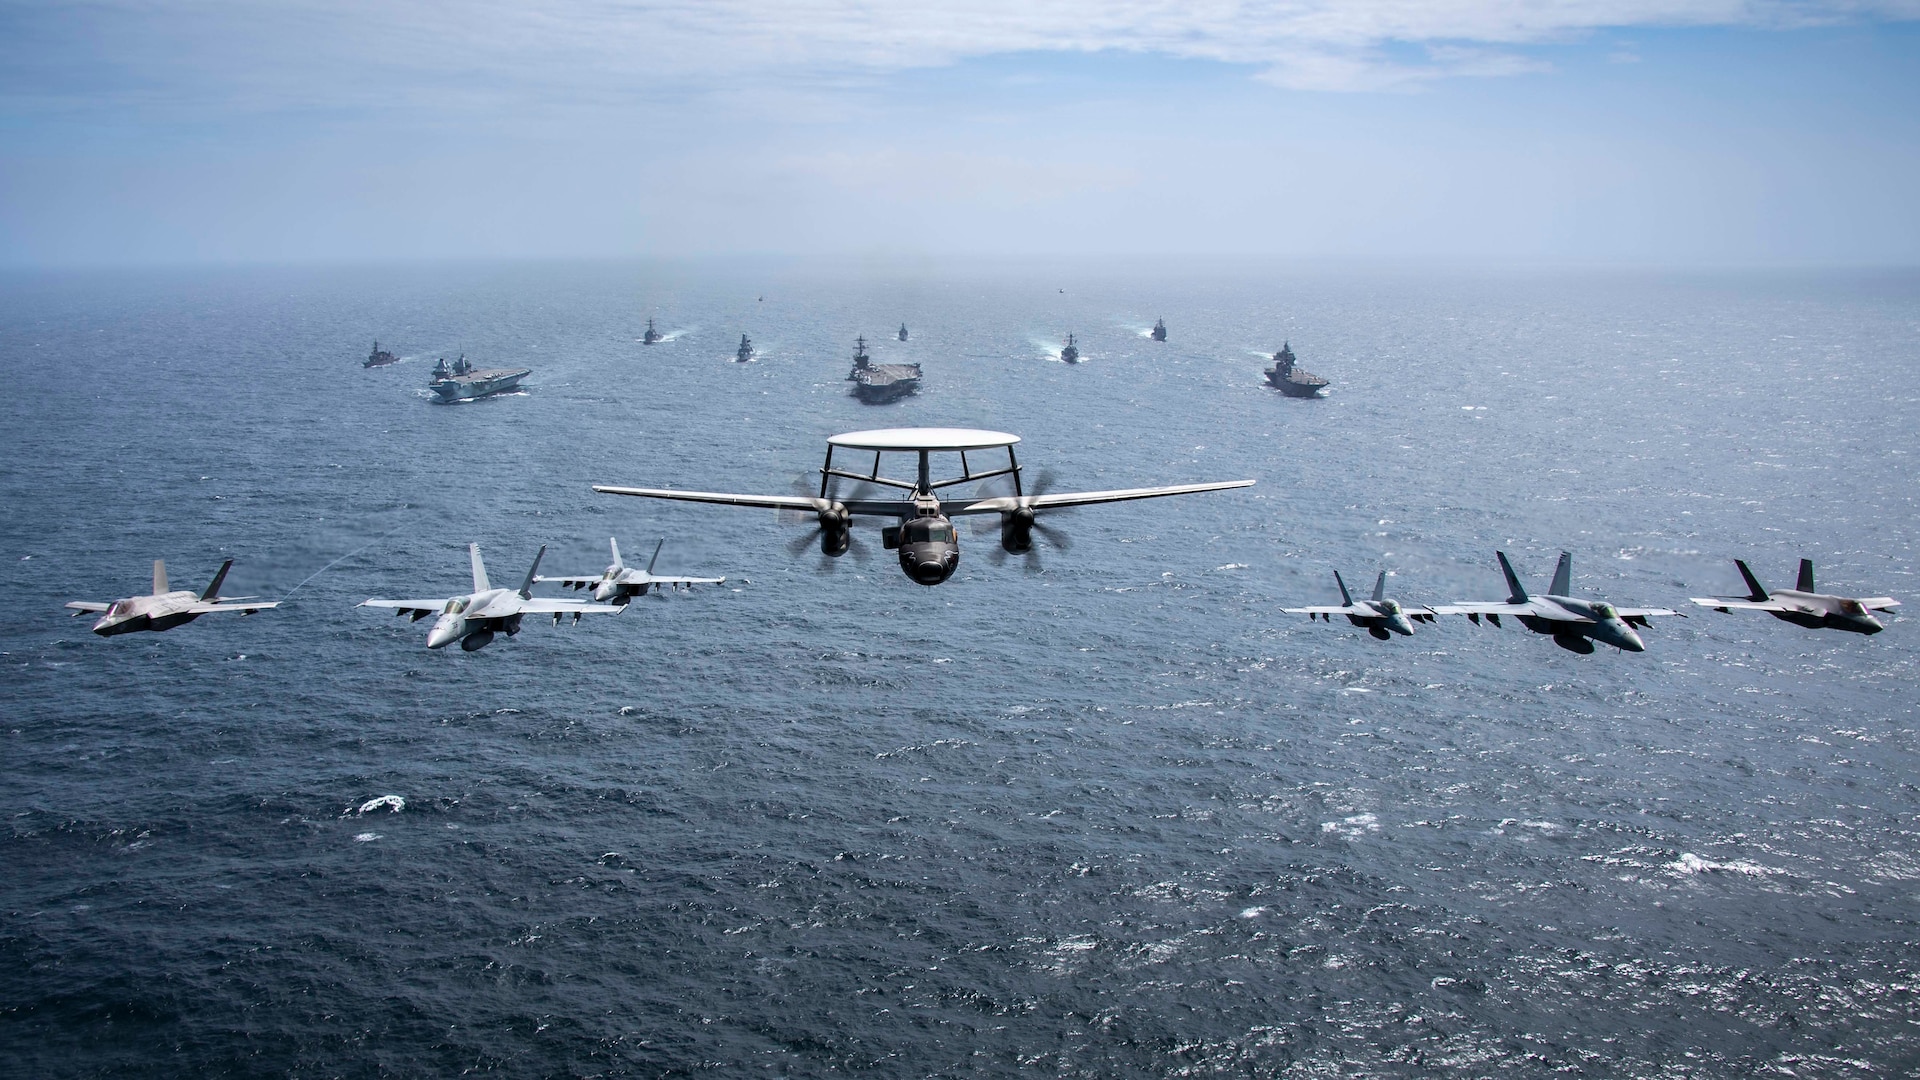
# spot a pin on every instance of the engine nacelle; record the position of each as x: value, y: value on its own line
x: 836, y: 530
x: 1016, y: 531
x: 476, y: 642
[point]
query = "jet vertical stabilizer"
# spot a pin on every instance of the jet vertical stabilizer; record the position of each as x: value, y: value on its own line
x: 1346, y: 598
x: 160, y: 578
x: 1563, y: 576
x: 656, y: 555
x: 1806, y: 577
x: 1517, y: 593
x: 1759, y: 593
x: 526, y: 587
x: 1380, y: 587
x: 479, y: 570
x: 213, y: 590
x: 614, y: 542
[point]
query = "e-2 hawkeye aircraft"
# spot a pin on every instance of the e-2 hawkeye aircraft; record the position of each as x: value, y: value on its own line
x: 1377, y: 616
x: 164, y: 609
x: 1574, y: 624
x: 473, y: 619
x: 620, y: 583
x: 1803, y: 606
x: 929, y: 545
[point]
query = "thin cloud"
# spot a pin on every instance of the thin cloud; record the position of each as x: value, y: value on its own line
x: 474, y: 54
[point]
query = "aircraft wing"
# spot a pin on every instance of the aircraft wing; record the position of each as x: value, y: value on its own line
x: 544, y: 606
x: 1644, y: 612
x: 85, y: 605
x: 1006, y: 503
x: 657, y: 580
x: 1501, y: 607
x: 577, y: 579
x: 1879, y: 603
x: 770, y: 502
x: 802, y: 503
x: 1334, y: 610
x: 206, y: 606
x: 422, y: 607
x: 1748, y: 605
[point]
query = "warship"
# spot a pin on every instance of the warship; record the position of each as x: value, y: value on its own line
x: 1071, y: 352
x: 1159, y: 330
x: 652, y: 335
x: 380, y: 357
x: 745, y: 352
x: 1289, y: 379
x: 877, y: 384
x: 460, y: 381
x: 903, y: 331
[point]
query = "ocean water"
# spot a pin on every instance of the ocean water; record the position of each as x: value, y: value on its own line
x: 1103, y: 812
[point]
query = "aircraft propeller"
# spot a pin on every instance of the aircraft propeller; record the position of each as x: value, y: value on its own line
x: 1016, y: 528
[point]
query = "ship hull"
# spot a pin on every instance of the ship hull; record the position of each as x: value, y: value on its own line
x: 1293, y: 388
x: 882, y: 393
x: 477, y: 385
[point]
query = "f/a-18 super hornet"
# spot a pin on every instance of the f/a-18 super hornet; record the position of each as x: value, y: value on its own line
x: 473, y: 619
x: 164, y: 609
x: 924, y: 535
x: 1802, y: 605
x: 620, y: 583
x: 1377, y: 616
x: 1574, y: 624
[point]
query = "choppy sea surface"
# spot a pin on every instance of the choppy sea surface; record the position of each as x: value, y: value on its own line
x: 1106, y: 812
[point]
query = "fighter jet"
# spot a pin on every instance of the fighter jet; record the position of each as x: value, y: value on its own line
x: 1803, y: 606
x: 1377, y: 615
x: 164, y: 609
x: 1574, y: 624
x: 620, y: 583
x: 473, y: 619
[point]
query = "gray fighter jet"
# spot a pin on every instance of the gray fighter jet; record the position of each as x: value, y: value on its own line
x: 164, y: 609
x: 620, y: 583
x: 1802, y: 605
x: 1377, y: 616
x: 1574, y: 624
x: 473, y: 619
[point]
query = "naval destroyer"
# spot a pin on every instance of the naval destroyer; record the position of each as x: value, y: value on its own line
x: 903, y: 331
x: 1290, y: 379
x: 380, y: 357
x: 652, y: 335
x: 460, y: 381
x: 877, y: 384
x: 745, y: 352
x: 1159, y: 330
x: 1070, y: 353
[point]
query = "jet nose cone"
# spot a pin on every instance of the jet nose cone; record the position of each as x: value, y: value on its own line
x: 444, y: 632
x: 602, y: 592
x: 1630, y: 641
x: 1399, y: 625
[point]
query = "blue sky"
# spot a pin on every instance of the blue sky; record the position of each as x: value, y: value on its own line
x: 1665, y: 132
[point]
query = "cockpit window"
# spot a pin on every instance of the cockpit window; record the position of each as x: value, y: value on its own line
x: 1391, y: 607
x: 928, y: 531
x: 1853, y: 607
x: 119, y: 607
x: 1605, y: 611
x: 455, y: 606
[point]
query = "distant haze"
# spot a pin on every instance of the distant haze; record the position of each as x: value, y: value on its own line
x: 1654, y: 131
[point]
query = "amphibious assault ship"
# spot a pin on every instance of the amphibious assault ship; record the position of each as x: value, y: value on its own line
x: 745, y: 352
x: 652, y: 335
x: 460, y: 381
x: 1159, y: 330
x: 1070, y: 353
x: 380, y: 357
x: 1289, y: 379
x: 877, y: 384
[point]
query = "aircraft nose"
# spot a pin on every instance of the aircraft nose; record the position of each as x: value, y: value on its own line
x: 1399, y: 625
x: 444, y: 632
x: 1628, y: 640
x: 602, y: 592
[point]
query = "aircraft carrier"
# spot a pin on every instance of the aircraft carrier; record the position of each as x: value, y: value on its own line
x: 1290, y: 379
x: 877, y: 384
x: 460, y: 381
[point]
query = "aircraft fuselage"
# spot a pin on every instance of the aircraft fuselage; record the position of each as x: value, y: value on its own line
x: 1606, y: 626
x: 472, y: 620
x: 136, y: 613
x: 1820, y: 611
